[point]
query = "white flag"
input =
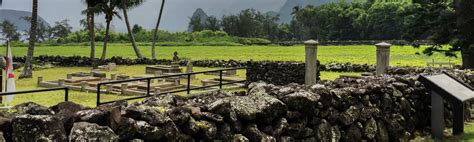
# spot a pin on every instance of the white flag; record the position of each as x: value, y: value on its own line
x: 10, y: 76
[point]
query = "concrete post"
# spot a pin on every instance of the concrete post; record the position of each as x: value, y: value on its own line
x: 113, y: 76
x: 124, y: 88
x: 61, y: 82
x: 69, y: 76
x: 83, y: 86
x: 437, y: 115
x: 383, y: 57
x: 40, y: 79
x: 157, y: 90
x: 109, y: 88
x: 189, y: 69
x: 311, y: 48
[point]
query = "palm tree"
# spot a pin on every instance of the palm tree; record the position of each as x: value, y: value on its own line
x: 109, y: 8
x: 90, y: 12
x: 155, y: 33
x: 125, y: 6
x: 27, y: 70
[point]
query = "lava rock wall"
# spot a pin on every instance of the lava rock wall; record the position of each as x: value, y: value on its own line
x: 390, y: 108
x: 278, y: 73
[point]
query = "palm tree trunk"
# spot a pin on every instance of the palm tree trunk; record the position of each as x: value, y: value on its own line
x: 130, y: 35
x: 92, y: 38
x: 27, y: 70
x: 155, y: 32
x: 106, y: 39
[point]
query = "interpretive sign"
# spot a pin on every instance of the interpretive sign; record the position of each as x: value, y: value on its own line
x: 446, y: 87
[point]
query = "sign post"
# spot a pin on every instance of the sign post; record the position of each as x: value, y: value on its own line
x: 447, y: 87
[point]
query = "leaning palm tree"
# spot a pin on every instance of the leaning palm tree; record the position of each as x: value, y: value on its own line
x: 125, y: 6
x: 109, y: 9
x: 91, y: 11
x: 155, y: 32
x: 27, y: 70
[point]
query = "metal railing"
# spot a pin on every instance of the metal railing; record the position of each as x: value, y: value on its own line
x: 188, y: 88
x: 66, y: 92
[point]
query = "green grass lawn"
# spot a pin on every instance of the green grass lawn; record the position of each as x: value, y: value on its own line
x: 360, y: 54
x: 87, y: 99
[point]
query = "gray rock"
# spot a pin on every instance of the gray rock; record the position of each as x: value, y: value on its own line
x: 179, y: 115
x: 239, y: 138
x: 207, y: 130
x: 31, y: 108
x: 92, y: 116
x: 301, y: 100
x: 253, y: 134
x: 299, y: 130
x: 382, y: 133
x: 350, y: 115
x: 353, y: 134
x: 67, y: 106
x: 148, y: 132
x: 262, y: 108
x: 191, y: 127
x: 286, y: 139
x: 370, y: 129
x: 216, y: 118
x: 127, y: 128
x: 2, y: 138
x: 324, y: 132
x: 221, y: 106
x: 84, y: 131
x: 37, y: 128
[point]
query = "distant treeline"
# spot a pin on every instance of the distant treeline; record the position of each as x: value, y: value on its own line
x: 333, y: 21
x: 328, y: 22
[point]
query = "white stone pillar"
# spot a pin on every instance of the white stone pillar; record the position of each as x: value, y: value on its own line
x: 383, y: 57
x: 311, y: 48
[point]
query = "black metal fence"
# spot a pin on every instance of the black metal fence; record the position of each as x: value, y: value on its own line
x: 66, y: 92
x: 188, y: 88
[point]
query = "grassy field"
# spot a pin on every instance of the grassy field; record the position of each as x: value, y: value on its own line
x: 361, y: 54
x: 84, y: 98
x: 89, y: 99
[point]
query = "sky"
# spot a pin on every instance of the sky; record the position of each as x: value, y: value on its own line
x: 175, y: 16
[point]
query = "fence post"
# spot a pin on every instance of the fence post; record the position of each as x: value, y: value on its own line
x: 148, y: 87
x: 188, y: 86
x: 98, y: 94
x: 66, y: 94
x: 311, y: 49
x: 220, y: 79
x: 383, y: 57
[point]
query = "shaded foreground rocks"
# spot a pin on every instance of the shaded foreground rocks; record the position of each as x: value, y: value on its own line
x: 83, y: 131
x: 390, y: 108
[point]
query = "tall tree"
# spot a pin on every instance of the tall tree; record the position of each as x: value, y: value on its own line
x: 61, y: 29
x: 110, y: 9
x: 465, y: 22
x: 27, y: 70
x: 9, y: 31
x: 125, y: 6
x: 155, y: 32
x: 212, y: 23
x: 91, y: 10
